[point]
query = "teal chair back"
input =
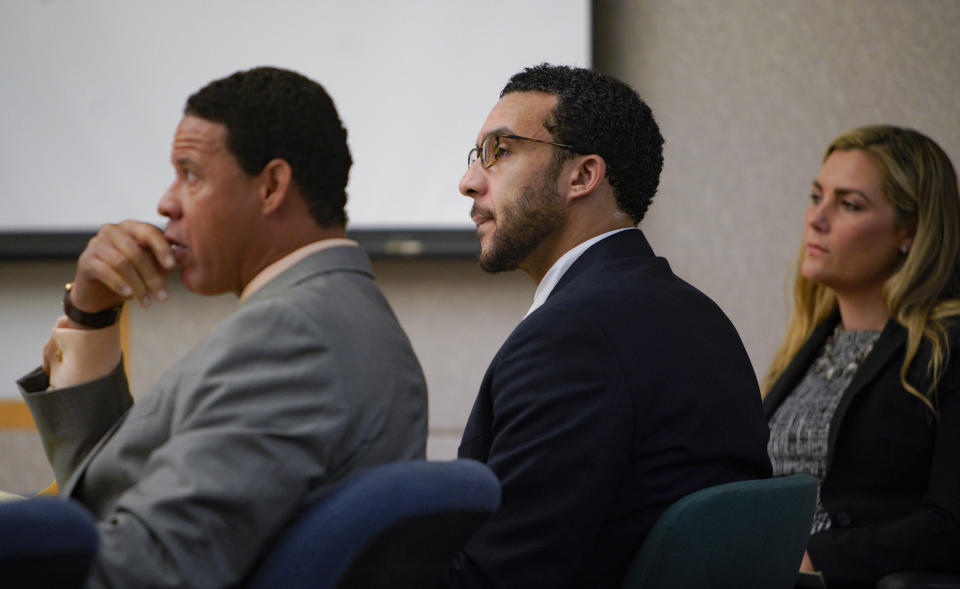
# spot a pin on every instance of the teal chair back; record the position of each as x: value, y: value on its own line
x: 743, y: 535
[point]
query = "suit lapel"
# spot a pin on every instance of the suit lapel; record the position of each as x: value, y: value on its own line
x: 630, y: 243
x: 891, y: 339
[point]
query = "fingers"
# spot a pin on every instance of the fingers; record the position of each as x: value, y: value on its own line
x: 127, y: 260
x: 152, y: 239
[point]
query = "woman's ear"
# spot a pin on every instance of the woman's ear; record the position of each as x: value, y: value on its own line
x: 907, y: 233
x: 276, y: 178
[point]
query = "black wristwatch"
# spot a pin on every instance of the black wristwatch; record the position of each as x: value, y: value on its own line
x: 96, y: 320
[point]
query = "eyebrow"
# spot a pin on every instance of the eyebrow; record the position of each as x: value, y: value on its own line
x: 184, y: 161
x: 498, y: 131
x: 844, y: 191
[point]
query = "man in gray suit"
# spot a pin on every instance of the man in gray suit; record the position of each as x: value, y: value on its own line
x: 309, y: 380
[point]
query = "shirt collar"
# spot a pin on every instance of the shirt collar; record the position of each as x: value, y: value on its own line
x: 277, y: 268
x: 560, y: 267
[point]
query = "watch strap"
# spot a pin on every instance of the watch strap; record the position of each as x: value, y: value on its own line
x: 96, y: 320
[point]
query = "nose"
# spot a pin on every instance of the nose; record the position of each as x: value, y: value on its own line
x: 169, y: 204
x: 473, y: 182
x: 816, y: 216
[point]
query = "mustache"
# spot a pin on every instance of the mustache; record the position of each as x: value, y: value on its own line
x: 476, y: 211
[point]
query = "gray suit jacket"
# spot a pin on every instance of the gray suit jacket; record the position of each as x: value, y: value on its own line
x: 309, y: 380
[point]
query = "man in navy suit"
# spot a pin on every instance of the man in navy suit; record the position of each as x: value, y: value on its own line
x: 623, y: 388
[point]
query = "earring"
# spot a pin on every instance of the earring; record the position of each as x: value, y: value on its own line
x: 904, y: 249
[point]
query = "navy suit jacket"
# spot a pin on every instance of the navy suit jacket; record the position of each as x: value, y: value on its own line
x: 892, y: 483
x: 625, y: 391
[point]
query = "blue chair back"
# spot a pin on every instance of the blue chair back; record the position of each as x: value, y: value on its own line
x: 397, y: 525
x: 46, y: 543
x: 743, y: 535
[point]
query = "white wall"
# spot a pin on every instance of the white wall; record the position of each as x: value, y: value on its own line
x: 30, y: 295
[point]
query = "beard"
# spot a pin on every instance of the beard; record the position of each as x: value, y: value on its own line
x: 523, y: 226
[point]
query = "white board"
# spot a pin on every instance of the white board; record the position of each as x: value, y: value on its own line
x: 91, y: 92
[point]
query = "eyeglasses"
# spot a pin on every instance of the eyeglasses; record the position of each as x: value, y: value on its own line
x: 489, y: 149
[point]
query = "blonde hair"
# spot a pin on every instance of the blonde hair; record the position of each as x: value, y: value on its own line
x: 921, y: 184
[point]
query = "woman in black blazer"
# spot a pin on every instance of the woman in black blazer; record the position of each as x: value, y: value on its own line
x: 864, y: 392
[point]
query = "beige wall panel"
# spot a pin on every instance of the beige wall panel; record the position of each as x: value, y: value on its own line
x: 748, y: 94
x: 24, y: 469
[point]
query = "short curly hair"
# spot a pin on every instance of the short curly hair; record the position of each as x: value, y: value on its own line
x: 599, y: 114
x: 275, y: 113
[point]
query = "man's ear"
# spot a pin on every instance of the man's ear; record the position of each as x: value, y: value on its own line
x: 276, y: 178
x: 587, y: 173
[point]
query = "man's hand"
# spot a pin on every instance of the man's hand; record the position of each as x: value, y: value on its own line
x: 127, y: 260
x: 51, y: 351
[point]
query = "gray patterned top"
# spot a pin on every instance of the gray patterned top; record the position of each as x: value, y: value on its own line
x: 800, y: 427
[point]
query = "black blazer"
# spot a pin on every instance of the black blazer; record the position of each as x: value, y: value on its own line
x: 625, y: 391
x: 892, y: 482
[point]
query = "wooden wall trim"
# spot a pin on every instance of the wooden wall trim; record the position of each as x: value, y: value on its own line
x: 15, y: 415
